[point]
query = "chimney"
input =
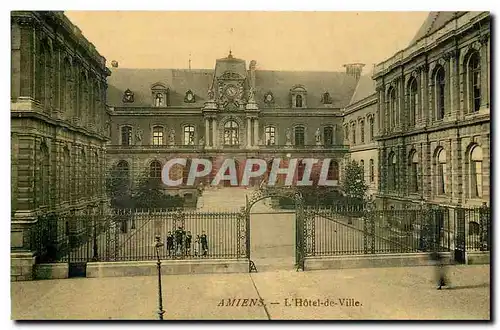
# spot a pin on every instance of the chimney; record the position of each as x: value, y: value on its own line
x: 114, y: 64
x: 253, y: 63
x: 354, y: 69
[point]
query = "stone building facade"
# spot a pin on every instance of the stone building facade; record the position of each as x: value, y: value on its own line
x: 58, y: 133
x: 434, y: 114
x: 231, y: 111
x: 360, y: 129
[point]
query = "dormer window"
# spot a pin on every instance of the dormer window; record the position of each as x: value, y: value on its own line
x: 158, y: 100
x: 326, y: 99
x: 159, y: 93
x: 298, y: 101
x: 128, y: 96
x: 298, y: 94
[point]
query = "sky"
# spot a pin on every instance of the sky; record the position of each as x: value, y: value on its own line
x: 315, y: 41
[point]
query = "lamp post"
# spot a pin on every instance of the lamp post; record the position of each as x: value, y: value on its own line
x: 158, y: 245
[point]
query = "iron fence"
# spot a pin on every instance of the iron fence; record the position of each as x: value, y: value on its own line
x: 129, y: 235
x: 348, y: 231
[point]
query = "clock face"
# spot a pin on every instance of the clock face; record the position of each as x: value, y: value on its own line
x: 231, y: 91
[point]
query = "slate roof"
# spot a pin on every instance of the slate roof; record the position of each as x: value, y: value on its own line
x: 433, y: 22
x: 366, y: 87
x: 339, y: 85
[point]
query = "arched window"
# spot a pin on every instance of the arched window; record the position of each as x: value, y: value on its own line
x: 155, y: 169
x: 298, y: 101
x: 474, y: 228
x: 441, y: 172
x: 83, y: 174
x: 393, y: 107
x: 83, y: 96
x: 392, y: 171
x: 67, y: 80
x: 157, y: 136
x: 185, y: 171
x: 413, y: 101
x: 346, y: 133
x: 474, y: 81
x: 299, y: 134
x: 270, y: 133
x: 362, y: 131
x: 126, y: 132
x: 301, y: 166
x: 333, y: 171
x: 476, y: 172
x: 362, y: 165
x: 44, y: 75
x: 158, y: 100
x: 439, y: 91
x: 328, y: 136
x: 122, y: 169
x: 188, y: 135
x: 372, y: 171
x: 231, y: 133
x: 372, y: 128
x: 353, y: 133
x: 44, y: 175
x: 413, y: 170
x: 66, y: 178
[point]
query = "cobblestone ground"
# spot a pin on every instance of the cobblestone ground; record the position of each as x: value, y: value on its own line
x: 381, y: 293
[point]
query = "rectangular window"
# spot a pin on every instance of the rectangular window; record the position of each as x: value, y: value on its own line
x: 126, y: 136
x: 157, y: 136
x: 441, y: 178
x: 328, y: 136
x: 354, y: 134
x: 372, y: 171
x: 299, y: 136
x: 362, y: 132
x: 270, y: 135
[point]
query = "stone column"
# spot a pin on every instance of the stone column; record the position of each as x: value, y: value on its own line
x: 451, y: 63
x: 382, y: 107
x: 215, y: 133
x: 485, y: 103
x: 256, y: 131
x: 422, y: 106
x: 425, y: 94
x: 249, y: 132
x: 207, y: 132
x: 456, y: 161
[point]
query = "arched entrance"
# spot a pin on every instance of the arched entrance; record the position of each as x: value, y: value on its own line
x: 270, y: 232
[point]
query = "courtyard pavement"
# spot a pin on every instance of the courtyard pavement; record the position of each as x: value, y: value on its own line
x: 383, y: 293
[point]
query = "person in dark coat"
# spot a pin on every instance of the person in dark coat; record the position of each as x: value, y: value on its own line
x: 170, y: 243
x: 204, y: 243
x: 179, y: 240
x: 189, y: 238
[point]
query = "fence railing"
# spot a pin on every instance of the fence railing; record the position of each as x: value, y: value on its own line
x: 129, y: 235
x: 344, y: 231
x: 126, y: 235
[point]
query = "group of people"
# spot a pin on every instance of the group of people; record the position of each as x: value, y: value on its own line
x: 179, y: 243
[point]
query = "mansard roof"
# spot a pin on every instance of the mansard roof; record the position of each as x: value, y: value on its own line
x: 364, y: 88
x: 435, y: 21
x: 339, y: 85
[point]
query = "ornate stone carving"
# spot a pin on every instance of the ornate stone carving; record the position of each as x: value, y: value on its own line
x: 171, y: 137
x: 128, y: 96
x: 288, y: 136
x: 483, y: 39
x: 317, y: 136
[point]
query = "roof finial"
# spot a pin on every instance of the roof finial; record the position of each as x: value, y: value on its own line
x: 189, y: 60
x: 230, y: 54
x: 230, y: 42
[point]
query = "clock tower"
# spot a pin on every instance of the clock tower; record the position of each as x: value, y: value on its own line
x: 230, y: 84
